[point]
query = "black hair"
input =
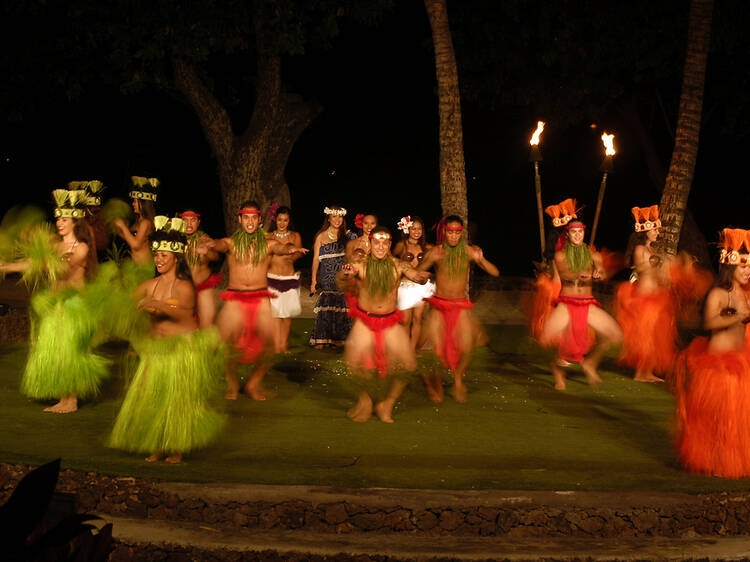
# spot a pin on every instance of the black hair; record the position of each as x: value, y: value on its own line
x: 248, y: 204
x: 283, y: 210
x: 454, y: 218
x: 183, y: 270
x: 422, y: 239
x: 636, y: 239
x: 377, y: 229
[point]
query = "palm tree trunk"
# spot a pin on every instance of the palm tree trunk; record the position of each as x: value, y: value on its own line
x: 452, y: 165
x: 682, y: 167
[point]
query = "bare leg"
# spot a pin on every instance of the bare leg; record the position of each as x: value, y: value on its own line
x: 286, y: 328
x: 254, y: 386
x: 206, y: 303
x: 416, y: 325
x: 155, y: 457
x: 558, y: 373
x: 384, y: 409
x: 362, y: 410
x: 459, y: 388
x: 434, y: 383
x: 233, y: 382
x: 66, y: 405
x: 609, y: 332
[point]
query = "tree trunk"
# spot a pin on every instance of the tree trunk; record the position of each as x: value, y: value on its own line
x: 251, y: 165
x: 452, y: 166
x: 681, y: 170
x: 692, y: 239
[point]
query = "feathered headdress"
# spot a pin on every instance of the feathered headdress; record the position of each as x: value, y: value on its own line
x: 646, y: 218
x: 169, y: 235
x: 736, y: 250
x: 93, y: 190
x: 562, y: 213
x: 70, y: 203
x: 145, y: 188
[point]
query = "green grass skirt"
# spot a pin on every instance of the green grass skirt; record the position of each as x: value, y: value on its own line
x: 61, y: 359
x: 167, y: 406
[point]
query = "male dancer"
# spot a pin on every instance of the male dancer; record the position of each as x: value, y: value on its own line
x: 245, y: 319
x: 578, y: 267
x: 451, y: 328
x: 377, y: 339
x: 204, y: 279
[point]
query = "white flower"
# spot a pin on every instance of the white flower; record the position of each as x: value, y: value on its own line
x: 340, y: 212
x: 405, y: 224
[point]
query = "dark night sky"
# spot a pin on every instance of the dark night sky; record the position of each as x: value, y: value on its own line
x: 373, y: 149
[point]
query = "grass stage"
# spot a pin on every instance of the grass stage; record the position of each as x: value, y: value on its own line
x: 515, y: 432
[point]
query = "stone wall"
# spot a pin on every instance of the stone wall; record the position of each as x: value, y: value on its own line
x: 431, y: 513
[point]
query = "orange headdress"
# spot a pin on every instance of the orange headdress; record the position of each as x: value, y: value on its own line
x: 646, y: 218
x: 562, y: 213
x: 736, y: 250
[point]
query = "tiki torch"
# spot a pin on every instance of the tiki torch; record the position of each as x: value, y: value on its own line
x: 606, y: 168
x: 535, y: 156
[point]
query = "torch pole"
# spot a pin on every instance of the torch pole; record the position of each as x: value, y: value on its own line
x: 538, y: 185
x: 602, y: 188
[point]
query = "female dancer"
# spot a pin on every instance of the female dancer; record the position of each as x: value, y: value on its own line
x: 644, y: 307
x: 411, y: 249
x: 61, y: 363
x: 332, y: 324
x: 712, y: 379
x: 144, y: 198
x: 359, y: 248
x: 283, y: 281
x: 165, y: 411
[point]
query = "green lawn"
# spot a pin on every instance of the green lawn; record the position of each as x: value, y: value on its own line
x: 515, y: 432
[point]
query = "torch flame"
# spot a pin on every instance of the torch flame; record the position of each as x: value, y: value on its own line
x: 608, y: 141
x: 535, y: 137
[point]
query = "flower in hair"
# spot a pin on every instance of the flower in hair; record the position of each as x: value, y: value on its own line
x: 359, y: 220
x: 405, y: 224
x: 271, y: 213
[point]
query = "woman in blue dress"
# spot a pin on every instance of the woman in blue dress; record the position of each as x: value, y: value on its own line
x: 332, y: 324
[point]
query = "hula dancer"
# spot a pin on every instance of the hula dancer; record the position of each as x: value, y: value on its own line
x: 377, y: 340
x: 450, y: 326
x: 245, y: 320
x: 578, y: 266
x: 332, y: 324
x: 283, y: 281
x: 204, y: 279
x: 644, y: 307
x: 411, y: 249
x: 143, y: 195
x: 712, y: 379
x: 165, y: 411
x: 61, y: 362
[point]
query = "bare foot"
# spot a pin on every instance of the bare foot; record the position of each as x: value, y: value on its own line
x: 231, y: 395
x: 64, y: 406
x: 360, y: 412
x: 592, y: 376
x: 174, y: 458
x: 319, y: 346
x: 563, y: 362
x: 383, y: 410
x: 559, y: 375
x: 155, y: 457
x: 647, y: 377
x: 434, y: 388
x: 459, y: 392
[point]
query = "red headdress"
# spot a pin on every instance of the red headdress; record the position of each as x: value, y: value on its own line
x: 736, y: 250
x: 440, y: 229
x: 646, y: 218
x: 562, y: 213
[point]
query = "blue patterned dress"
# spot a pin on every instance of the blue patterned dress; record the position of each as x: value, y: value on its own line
x: 332, y: 323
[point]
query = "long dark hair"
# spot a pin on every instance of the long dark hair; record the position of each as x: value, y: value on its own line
x: 327, y: 222
x: 360, y: 230
x: 283, y: 210
x: 83, y: 233
x: 725, y: 278
x: 636, y: 239
x: 422, y: 239
x: 148, y: 210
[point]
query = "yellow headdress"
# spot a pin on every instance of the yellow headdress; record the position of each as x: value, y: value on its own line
x: 70, y: 203
x: 169, y: 235
x: 145, y: 188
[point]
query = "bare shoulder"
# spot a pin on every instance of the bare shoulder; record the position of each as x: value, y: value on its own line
x: 296, y: 239
x: 184, y: 288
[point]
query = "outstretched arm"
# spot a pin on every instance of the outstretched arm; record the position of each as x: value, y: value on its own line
x: 412, y: 274
x: 137, y: 241
x: 14, y: 266
x: 285, y: 249
x: 208, y: 245
x: 478, y: 258
x: 431, y: 258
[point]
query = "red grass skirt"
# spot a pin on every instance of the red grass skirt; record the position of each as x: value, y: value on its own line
x: 712, y: 392
x: 649, y: 329
x: 377, y: 324
x: 248, y: 343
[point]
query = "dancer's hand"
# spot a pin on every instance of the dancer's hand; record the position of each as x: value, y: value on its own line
x: 348, y: 271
